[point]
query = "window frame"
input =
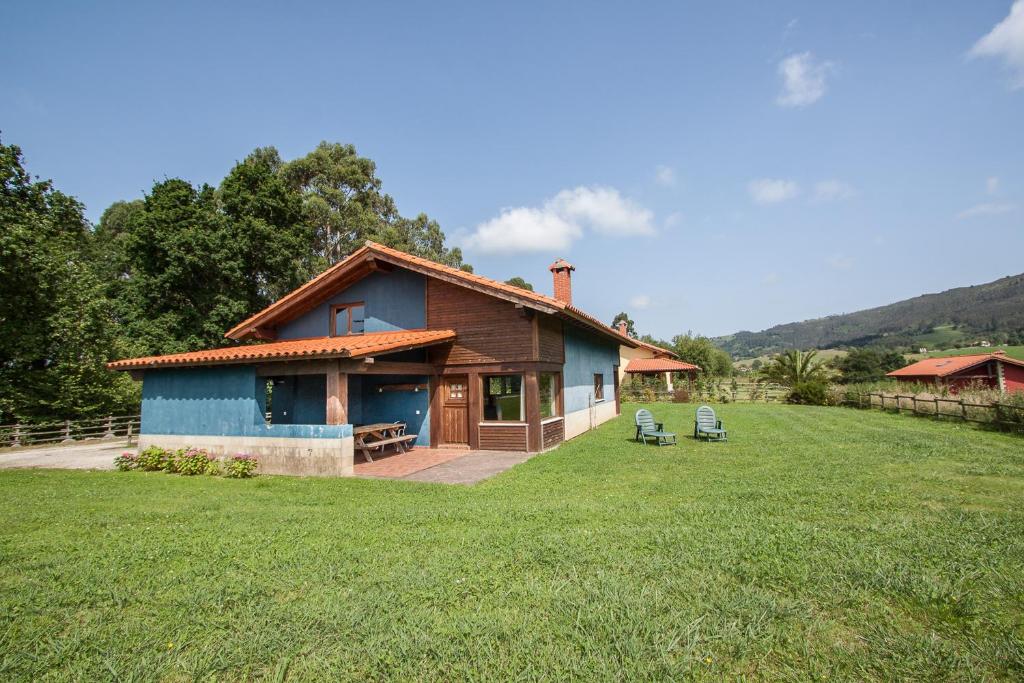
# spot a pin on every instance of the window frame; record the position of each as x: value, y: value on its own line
x: 522, y: 398
x: 598, y: 387
x: 556, y: 395
x: 335, y: 308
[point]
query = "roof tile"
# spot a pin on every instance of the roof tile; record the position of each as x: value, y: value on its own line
x: 351, y: 346
x: 948, y: 365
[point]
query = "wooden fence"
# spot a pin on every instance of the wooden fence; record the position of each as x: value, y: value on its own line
x: 69, y: 431
x: 721, y: 392
x: 1004, y: 416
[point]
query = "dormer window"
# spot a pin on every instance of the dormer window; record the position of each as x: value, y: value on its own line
x: 348, y: 319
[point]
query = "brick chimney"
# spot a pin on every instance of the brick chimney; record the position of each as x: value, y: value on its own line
x: 561, y: 272
x: 623, y: 328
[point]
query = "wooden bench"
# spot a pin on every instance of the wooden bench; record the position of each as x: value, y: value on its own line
x: 370, y: 437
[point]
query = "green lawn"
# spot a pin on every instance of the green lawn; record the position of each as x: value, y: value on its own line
x: 817, y: 543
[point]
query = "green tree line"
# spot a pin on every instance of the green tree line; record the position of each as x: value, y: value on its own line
x: 172, y: 271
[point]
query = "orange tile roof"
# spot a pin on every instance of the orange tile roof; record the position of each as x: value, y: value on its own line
x: 659, y: 365
x: 352, y: 346
x: 948, y: 365
x: 373, y: 250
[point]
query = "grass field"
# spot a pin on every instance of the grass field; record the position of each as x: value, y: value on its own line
x: 817, y: 543
x: 1012, y: 351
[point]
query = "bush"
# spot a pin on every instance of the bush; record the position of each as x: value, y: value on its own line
x: 193, y: 461
x: 240, y: 466
x: 811, y: 393
x: 155, y: 458
x: 127, y: 461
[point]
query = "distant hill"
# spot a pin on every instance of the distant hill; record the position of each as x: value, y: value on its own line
x: 956, y: 317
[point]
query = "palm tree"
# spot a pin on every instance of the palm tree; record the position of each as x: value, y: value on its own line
x: 792, y: 367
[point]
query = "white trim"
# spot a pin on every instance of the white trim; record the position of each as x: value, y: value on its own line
x: 554, y: 418
x: 503, y: 424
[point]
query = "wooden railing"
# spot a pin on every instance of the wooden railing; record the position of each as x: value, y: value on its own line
x: 1006, y: 416
x: 70, y: 431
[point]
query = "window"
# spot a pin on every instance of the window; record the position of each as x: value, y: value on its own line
x: 456, y: 391
x: 548, y: 395
x: 348, y: 319
x: 503, y: 398
x: 598, y: 386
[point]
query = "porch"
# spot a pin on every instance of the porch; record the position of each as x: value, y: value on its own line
x: 440, y: 465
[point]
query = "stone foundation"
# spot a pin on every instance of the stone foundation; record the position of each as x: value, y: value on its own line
x: 277, y: 455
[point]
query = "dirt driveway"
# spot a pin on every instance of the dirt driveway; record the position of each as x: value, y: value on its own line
x: 90, y: 456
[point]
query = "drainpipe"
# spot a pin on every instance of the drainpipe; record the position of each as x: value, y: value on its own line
x: 1000, y: 377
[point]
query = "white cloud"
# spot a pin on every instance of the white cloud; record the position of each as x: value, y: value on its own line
x: 803, y: 80
x: 832, y: 190
x: 771, y: 278
x: 673, y: 219
x: 992, y: 185
x: 640, y: 301
x: 561, y: 220
x: 1006, y: 41
x: 772, y: 190
x: 665, y: 176
x: 839, y: 262
x: 986, y: 209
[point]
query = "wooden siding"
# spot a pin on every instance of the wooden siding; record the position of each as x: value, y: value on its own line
x: 488, y: 329
x: 554, y: 433
x: 503, y: 437
x: 550, y: 343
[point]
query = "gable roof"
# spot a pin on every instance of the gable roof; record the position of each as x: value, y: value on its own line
x: 370, y: 257
x: 659, y: 365
x: 950, y: 365
x: 351, y: 346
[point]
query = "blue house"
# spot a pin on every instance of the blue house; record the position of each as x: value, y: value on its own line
x: 384, y: 337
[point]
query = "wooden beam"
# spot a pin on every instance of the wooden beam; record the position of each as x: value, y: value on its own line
x: 474, y: 408
x: 337, y: 398
x: 535, y: 433
x: 435, y: 411
x: 498, y: 368
x: 387, y: 368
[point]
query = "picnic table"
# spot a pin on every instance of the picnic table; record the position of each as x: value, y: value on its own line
x: 379, y: 435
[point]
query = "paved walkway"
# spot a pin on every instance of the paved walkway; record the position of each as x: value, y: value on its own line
x: 90, y: 456
x: 471, y: 467
x: 441, y: 465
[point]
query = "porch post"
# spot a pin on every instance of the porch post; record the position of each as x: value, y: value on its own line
x: 534, y: 431
x: 337, y: 398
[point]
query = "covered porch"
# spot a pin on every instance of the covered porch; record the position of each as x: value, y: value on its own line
x: 662, y: 369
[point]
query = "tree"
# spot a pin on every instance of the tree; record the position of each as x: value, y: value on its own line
x: 795, y: 367
x: 624, y: 317
x: 867, y: 365
x: 702, y: 352
x: 420, y: 236
x: 57, y: 327
x: 520, y: 283
x: 341, y: 198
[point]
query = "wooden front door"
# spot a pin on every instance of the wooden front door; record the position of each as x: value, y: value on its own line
x: 455, y: 410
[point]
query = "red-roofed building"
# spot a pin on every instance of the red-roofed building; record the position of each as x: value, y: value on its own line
x: 383, y: 337
x: 994, y: 370
x: 648, y: 360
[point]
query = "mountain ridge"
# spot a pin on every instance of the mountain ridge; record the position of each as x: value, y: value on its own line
x: 993, y: 310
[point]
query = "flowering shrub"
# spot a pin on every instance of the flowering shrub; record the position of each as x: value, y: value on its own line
x: 213, y: 468
x: 154, y: 458
x: 193, y: 461
x: 127, y: 461
x: 240, y: 466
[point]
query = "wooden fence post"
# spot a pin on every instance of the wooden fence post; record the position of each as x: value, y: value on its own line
x: 129, y: 433
x: 67, y: 432
x: 17, y: 435
x: 963, y: 411
x: 109, y: 433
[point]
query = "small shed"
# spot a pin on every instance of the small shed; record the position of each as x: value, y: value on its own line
x: 994, y: 370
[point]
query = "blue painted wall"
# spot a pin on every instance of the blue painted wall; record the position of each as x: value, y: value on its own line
x: 216, y: 401
x: 392, y: 406
x: 299, y: 399
x: 394, y: 301
x: 586, y: 354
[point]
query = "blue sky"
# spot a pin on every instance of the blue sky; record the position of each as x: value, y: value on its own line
x: 708, y: 166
